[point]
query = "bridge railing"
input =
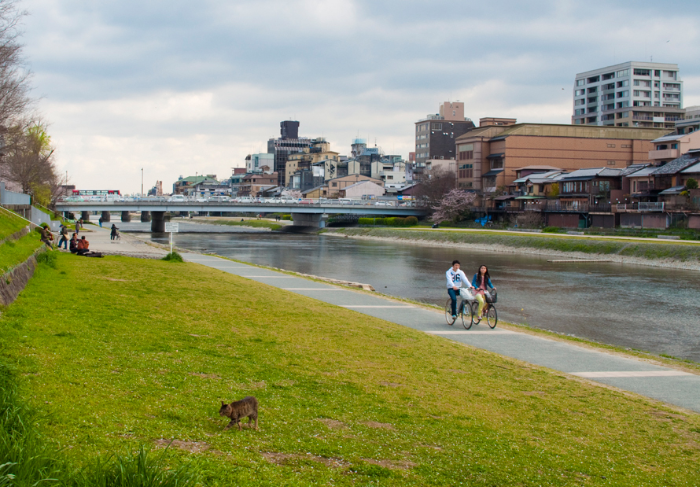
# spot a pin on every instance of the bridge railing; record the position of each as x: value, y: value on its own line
x: 261, y: 202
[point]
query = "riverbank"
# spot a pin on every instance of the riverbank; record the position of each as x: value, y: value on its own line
x: 668, y: 255
x: 345, y: 398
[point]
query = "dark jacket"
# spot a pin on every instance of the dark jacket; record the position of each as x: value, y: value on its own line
x: 73, y: 245
x: 475, y: 282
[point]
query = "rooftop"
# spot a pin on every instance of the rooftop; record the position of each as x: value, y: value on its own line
x: 561, y: 130
x: 677, y: 165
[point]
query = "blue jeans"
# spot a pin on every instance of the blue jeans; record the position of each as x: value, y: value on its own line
x: 453, y: 295
x: 63, y: 242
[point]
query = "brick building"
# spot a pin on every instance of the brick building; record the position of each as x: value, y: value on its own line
x: 489, y: 157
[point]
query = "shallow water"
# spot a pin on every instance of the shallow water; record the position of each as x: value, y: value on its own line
x: 643, y: 308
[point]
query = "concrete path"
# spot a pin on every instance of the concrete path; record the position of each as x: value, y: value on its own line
x: 662, y: 383
x: 100, y: 241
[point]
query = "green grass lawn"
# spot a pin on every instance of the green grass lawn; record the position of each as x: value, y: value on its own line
x: 10, y: 223
x: 17, y: 251
x: 247, y: 223
x: 678, y: 250
x: 118, y: 352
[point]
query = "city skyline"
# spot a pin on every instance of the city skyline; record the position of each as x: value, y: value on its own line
x: 184, y: 89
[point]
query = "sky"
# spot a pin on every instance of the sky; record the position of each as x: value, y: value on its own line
x: 180, y: 87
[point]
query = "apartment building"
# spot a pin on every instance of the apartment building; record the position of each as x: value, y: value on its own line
x: 491, y: 156
x: 436, y: 134
x: 631, y: 94
x: 289, y: 142
x: 319, y: 150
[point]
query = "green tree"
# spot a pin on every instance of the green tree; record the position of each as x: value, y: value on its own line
x: 691, y: 184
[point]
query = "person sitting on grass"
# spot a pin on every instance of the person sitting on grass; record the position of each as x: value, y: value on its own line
x: 47, y: 237
x: 83, y: 246
x: 74, y: 244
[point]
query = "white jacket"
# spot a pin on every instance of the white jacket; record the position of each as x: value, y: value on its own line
x: 456, y: 279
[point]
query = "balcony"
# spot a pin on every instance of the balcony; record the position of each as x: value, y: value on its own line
x: 655, y: 155
x: 566, y: 206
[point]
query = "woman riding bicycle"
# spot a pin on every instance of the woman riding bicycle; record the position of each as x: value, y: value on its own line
x: 482, y: 282
x: 455, y: 278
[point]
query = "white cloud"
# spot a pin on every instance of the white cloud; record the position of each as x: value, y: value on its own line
x: 185, y: 87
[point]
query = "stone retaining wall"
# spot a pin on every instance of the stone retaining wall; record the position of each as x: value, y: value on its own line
x: 16, y: 235
x: 13, y: 281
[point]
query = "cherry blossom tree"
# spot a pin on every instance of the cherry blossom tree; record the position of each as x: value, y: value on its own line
x: 452, y: 205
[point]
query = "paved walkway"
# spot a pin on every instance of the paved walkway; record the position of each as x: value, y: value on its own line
x: 661, y: 383
x: 100, y: 241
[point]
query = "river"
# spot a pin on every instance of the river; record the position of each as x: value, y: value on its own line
x: 644, y: 308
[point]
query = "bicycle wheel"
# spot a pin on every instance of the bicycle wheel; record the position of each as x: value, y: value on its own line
x: 492, y: 316
x: 475, y: 313
x: 448, y: 312
x: 468, y: 319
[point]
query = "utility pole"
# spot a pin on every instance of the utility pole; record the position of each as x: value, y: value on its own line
x: 141, y: 182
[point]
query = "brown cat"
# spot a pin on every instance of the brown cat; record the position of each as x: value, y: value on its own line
x: 237, y: 410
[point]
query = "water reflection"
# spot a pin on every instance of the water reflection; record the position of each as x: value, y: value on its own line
x: 638, y: 307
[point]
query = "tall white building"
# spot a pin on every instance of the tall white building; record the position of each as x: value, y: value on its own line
x: 632, y: 94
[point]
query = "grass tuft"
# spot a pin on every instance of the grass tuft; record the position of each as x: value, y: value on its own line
x: 173, y: 257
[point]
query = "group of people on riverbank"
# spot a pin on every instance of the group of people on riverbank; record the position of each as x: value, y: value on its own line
x: 479, y: 286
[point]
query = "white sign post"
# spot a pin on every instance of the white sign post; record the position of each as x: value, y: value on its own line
x: 171, y: 227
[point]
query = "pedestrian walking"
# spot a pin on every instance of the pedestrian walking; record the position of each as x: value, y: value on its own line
x: 100, y: 220
x: 64, y: 238
x: 114, y: 234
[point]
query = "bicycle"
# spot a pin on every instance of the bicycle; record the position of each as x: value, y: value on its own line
x: 464, y: 304
x: 491, y: 312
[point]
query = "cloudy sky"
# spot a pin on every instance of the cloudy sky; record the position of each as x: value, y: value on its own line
x: 178, y: 87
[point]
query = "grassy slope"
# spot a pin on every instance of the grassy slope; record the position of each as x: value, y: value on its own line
x: 17, y: 251
x: 119, y: 352
x: 666, y: 250
x: 247, y: 223
x: 10, y: 224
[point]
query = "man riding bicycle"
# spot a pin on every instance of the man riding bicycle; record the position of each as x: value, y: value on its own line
x: 455, y: 279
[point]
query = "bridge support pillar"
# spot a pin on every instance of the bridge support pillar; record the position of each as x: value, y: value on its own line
x: 105, y: 216
x: 316, y: 220
x: 158, y: 222
x: 145, y: 216
x: 85, y: 216
x: 126, y: 216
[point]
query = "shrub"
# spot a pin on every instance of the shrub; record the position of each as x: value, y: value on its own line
x: 365, y: 221
x: 551, y: 230
x: 287, y: 217
x: 380, y: 221
x: 691, y: 183
x: 410, y: 221
x: 173, y: 257
x: 38, y: 229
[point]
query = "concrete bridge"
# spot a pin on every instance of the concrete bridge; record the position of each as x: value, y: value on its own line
x: 309, y: 213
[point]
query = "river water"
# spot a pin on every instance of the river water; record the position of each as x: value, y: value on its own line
x: 643, y: 308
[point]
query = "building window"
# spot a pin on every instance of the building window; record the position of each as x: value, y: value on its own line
x: 623, y: 94
x: 611, y: 163
x: 642, y: 72
x: 437, y: 126
x: 580, y: 111
x: 611, y: 145
x: 594, y: 79
x: 623, y: 73
x: 580, y: 82
x: 580, y: 92
x: 582, y: 101
x: 622, y: 84
x: 626, y: 146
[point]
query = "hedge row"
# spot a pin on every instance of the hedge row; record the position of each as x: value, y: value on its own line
x: 390, y: 222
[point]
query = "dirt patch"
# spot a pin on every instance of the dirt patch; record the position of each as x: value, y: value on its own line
x: 457, y: 371
x: 114, y: 280
x: 197, y: 336
x: 190, y: 446
x: 286, y: 458
x: 390, y: 384
x: 391, y: 464
x: 284, y: 383
x: 205, y: 376
x: 333, y: 424
x: 533, y: 393
x: 375, y: 424
x: 668, y: 416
